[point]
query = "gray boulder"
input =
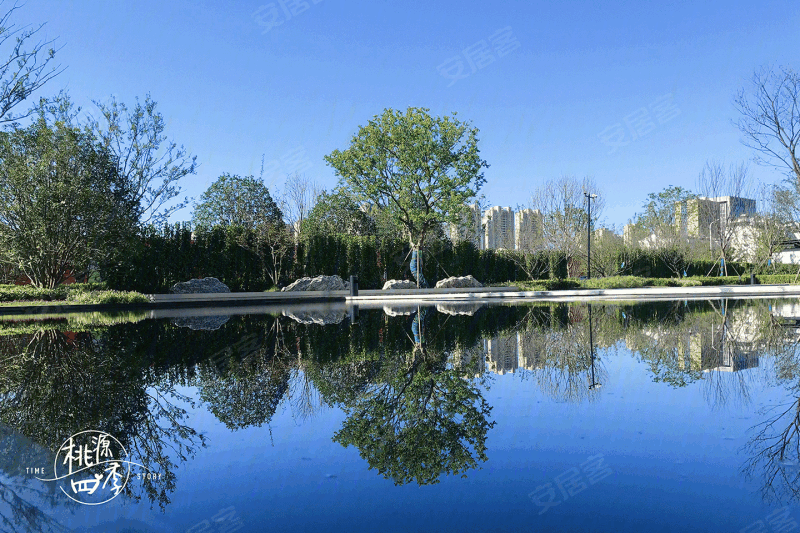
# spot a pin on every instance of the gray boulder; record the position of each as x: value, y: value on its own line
x: 199, y: 286
x: 458, y: 282
x: 394, y: 284
x: 320, y: 283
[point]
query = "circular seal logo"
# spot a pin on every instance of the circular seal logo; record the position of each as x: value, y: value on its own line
x: 92, y: 467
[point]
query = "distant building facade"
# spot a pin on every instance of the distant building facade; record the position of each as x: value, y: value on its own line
x: 527, y: 229
x: 499, y: 224
x: 703, y: 217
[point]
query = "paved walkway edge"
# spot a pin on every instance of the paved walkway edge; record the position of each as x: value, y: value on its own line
x: 494, y: 294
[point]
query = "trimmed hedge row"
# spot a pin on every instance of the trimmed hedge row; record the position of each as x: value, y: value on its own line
x: 160, y: 258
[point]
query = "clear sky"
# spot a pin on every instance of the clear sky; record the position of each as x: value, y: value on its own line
x: 637, y: 95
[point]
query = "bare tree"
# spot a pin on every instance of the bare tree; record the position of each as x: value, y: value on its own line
x: 29, y: 65
x: 770, y: 119
x: 770, y: 226
x: 299, y: 196
x: 563, y: 209
x: 722, y: 203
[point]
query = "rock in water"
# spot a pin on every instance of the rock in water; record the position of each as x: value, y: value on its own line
x: 320, y: 283
x: 458, y: 308
x: 205, y: 323
x: 316, y: 317
x: 394, y: 284
x: 398, y: 310
x: 199, y: 286
x: 458, y: 282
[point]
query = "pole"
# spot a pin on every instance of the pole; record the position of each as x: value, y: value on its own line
x: 589, y: 234
x: 589, y: 241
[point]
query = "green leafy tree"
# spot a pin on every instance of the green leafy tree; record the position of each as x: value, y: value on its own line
x: 63, y: 205
x: 234, y: 200
x: 26, y: 68
x: 659, y: 210
x: 151, y: 164
x: 657, y: 228
x: 422, y: 170
x: 337, y: 213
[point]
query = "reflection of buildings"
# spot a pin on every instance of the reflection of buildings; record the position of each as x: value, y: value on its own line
x: 472, y: 358
x: 726, y: 347
x: 501, y: 354
x: 508, y: 353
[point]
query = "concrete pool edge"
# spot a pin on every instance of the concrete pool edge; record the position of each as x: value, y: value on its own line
x: 375, y: 297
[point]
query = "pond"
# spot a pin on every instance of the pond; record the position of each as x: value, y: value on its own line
x: 660, y: 416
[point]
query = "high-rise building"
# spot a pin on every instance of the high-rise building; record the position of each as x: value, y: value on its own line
x: 701, y: 217
x: 527, y: 229
x: 499, y: 224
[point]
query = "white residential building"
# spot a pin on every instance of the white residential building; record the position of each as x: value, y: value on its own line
x: 527, y: 229
x: 499, y: 224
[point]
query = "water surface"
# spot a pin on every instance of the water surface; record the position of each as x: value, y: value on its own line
x: 539, y: 417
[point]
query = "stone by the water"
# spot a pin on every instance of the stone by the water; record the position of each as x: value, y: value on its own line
x: 458, y: 282
x: 394, y: 284
x: 199, y: 286
x: 319, y: 283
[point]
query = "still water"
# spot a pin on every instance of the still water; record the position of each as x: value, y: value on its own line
x: 668, y: 416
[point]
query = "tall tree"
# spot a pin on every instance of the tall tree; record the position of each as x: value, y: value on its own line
x: 563, y: 207
x: 63, y: 205
x: 233, y: 200
x: 423, y: 170
x: 770, y: 119
x: 337, y: 213
x: 723, y: 220
x: 299, y: 196
x: 657, y: 227
x: 145, y: 158
x: 28, y: 66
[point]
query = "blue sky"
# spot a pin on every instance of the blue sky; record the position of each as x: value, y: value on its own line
x: 548, y: 84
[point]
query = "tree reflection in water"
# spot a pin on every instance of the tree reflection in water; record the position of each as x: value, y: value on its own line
x: 421, y: 419
x: 24, y: 501
x: 55, y: 385
x: 411, y: 386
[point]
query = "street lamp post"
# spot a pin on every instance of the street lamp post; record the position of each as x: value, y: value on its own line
x: 589, y: 234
